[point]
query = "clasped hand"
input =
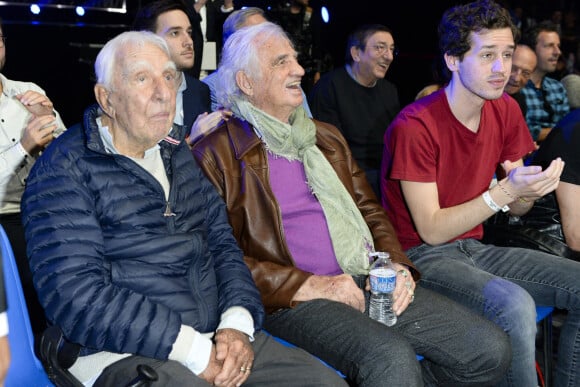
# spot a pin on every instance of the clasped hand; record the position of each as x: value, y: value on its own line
x: 39, y: 130
x: 36, y: 103
x: 231, y: 359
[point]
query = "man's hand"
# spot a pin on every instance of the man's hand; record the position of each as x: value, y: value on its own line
x: 531, y: 182
x: 205, y: 123
x: 213, y: 368
x: 234, y: 350
x: 341, y: 288
x: 404, y: 292
x: 36, y: 103
x: 38, y: 133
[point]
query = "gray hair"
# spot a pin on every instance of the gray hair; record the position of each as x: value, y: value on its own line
x: 240, y: 53
x: 237, y: 20
x: 107, y: 57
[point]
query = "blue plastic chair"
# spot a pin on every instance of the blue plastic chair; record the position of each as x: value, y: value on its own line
x: 287, y: 344
x: 25, y: 369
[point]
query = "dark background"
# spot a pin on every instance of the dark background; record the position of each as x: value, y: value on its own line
x: 56, y: 48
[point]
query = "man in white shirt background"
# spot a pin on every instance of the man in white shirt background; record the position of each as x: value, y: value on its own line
x: 28, y: 123
x: 207, y: 21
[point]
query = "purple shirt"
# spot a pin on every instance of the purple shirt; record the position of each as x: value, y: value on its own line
x: 303, y: 219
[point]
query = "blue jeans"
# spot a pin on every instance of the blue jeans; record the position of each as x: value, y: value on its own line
x: 504, y: 284
x: 460, y: 347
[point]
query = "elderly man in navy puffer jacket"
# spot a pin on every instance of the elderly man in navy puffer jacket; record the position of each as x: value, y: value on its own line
x: 130, y: 247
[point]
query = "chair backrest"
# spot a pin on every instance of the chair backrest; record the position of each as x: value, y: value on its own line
x: 25, y: 369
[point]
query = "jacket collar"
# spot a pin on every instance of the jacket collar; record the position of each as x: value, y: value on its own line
x: 243, y: 137
x: 95, y: 143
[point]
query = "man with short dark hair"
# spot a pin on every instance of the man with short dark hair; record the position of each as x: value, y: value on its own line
x: 358, y: 100
x: 546, y: 98
x: 169, y: 20
x: 440, y: 156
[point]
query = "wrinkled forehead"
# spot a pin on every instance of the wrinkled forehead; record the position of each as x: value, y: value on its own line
x: 273, y: 45
x: 524, y: 55
x: 134, y: 58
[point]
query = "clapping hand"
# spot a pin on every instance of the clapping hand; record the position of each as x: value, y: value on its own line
x: 531, y: 182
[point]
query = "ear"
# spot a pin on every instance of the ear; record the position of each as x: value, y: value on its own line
x: 452, y: 62
x: 244, y: 83
x: 354, y: 53
x: 102, y: 97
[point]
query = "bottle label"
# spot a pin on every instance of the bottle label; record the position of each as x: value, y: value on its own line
x: 383, y: 280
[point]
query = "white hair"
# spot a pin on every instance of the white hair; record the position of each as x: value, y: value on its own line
x: 240, y: 53
x: 107, y: 57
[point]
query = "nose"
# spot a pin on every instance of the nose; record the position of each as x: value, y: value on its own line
x: 164, y: 88
x: 499, y: 65
x: 187, y: 41
x: 297, y: 69
x: 389, y: 54
x: 516, y: 74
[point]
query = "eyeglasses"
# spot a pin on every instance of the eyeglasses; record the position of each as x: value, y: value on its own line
x: 2, y: 40
x: 381, y: 49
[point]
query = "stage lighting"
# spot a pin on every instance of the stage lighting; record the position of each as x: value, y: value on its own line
x: 35, y: 9
x: 80, y: 11
x: 325, y: 14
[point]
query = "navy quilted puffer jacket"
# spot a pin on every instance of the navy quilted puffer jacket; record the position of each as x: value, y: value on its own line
x: 117, y: 266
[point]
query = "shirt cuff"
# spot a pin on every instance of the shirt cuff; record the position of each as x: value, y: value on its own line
x: 3, y: 324
x: 238, y: 318
x: 191, y: 349
x: 21, y: 150
x: 226, y: 10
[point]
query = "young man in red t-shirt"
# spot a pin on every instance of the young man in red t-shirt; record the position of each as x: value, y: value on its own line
x: 440, y: 155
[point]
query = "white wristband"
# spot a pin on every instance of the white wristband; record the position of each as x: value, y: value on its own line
x: 491, y: 204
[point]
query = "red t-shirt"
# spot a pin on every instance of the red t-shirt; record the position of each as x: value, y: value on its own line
x: 426, y: 143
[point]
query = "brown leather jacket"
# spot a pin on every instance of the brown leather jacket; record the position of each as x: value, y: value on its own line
x: 235, y: 161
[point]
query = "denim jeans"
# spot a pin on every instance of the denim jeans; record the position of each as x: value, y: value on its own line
x: 504, y: 284
x: 460, y: 347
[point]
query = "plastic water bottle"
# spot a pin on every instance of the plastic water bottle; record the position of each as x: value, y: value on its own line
x: 383, y: 278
